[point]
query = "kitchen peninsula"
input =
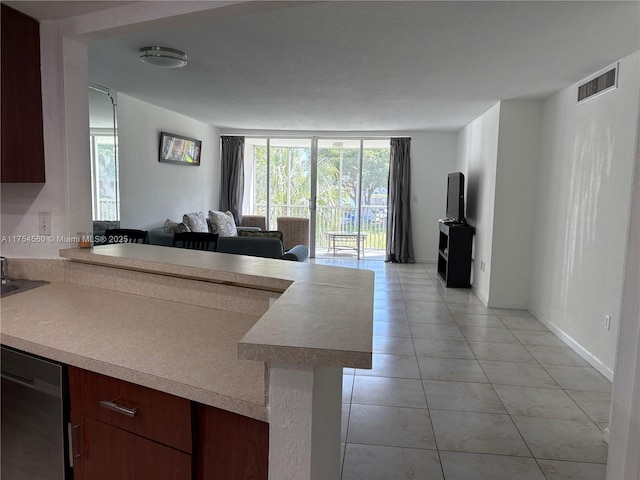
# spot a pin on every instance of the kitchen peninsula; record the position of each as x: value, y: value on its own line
x: 261, y: 338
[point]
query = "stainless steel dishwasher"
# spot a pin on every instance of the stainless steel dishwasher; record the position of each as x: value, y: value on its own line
x: 35, y: 412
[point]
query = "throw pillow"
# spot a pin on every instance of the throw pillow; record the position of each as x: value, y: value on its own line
x: 222, y: 223
x: 261, y: 234
x: 174, y: 227
x: 195, y: 221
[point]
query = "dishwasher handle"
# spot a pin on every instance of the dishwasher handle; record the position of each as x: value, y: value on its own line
x: 38, y: 384
x: 25, y: 382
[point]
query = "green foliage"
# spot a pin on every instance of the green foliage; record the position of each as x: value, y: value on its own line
x: 338, y: 171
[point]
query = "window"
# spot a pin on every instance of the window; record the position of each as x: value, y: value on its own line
x: 103, y: 137
x: 104, y: 176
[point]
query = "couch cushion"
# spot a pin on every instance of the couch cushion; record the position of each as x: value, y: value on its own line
x: 256, y: 247
x: 261, y: 234
x: 222, y: 223
x: 195, y: 221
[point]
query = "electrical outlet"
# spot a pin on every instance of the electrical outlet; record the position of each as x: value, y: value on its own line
x: 482, y: 265
x: 607, y: 322
x: 44, y: 223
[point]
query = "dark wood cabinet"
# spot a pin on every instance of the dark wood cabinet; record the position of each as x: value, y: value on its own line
x: 105, y: 452
x: 454, y: 254
x: 22, y: 136
x: 158, y: 416
x: 126, y: 431
x: 231, y: 446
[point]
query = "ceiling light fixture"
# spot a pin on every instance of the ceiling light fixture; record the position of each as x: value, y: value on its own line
x: 163, y: 57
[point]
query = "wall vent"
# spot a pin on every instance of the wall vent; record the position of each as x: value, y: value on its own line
x: 598, y: 85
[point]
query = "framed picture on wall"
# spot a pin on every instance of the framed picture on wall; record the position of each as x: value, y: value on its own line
x: 180, y: 150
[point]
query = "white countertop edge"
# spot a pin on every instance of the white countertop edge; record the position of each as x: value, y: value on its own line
x: 96, y: 257
x: 304, y: 356
x: 310, y: 354
x: 190, y: 392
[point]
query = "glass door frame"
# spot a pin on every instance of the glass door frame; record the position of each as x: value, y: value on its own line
x: 313, y: 200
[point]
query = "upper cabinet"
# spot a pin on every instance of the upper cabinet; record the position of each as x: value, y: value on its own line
x: 22, y: 138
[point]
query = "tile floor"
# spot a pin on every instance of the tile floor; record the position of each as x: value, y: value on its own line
x: 459, y: 391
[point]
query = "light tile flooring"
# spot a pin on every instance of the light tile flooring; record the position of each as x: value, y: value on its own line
x: 459, y: 391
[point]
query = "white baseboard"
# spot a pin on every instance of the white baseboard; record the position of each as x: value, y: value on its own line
x: 513, y: 306
x: 425, y: 260
x: 592, y: 360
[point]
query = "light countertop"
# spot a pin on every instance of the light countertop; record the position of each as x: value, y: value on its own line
x: 180, y: 349
x: 324, y: 317
x: 215, y: 357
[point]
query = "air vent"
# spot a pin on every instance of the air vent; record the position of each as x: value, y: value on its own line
x: 598, y: 85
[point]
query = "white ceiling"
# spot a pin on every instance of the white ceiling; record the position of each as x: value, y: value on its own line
x: 368, y: 65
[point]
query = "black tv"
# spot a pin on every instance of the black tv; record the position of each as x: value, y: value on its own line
x: 455, y: 197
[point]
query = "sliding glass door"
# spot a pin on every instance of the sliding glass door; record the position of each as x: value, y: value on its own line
x: 339, y: 184
x: 352, y: 197
x: 277, y: 178
x: 337, y: 218
x: 289, y: 179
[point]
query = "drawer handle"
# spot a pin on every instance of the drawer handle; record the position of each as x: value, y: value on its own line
x: 74, y: 450
x: 129, y: 412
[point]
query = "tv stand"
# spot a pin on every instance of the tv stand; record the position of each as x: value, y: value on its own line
x: 454, y: 254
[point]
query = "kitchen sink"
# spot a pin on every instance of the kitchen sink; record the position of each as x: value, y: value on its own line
x: 19, y: 285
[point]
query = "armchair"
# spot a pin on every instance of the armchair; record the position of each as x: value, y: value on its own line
x: 259, y: 221
x: 295, y: 231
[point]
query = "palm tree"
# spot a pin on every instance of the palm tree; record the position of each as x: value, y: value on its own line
x: 338, y: 170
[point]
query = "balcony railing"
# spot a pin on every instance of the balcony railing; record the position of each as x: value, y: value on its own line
x: 373, y: 222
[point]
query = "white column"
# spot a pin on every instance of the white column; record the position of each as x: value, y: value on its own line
x: 304, y: 422
x: 624, y: 423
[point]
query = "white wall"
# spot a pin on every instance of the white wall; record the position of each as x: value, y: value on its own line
x: 433, y: 156
x: 582, y: 214
x: 515, y: 193
x: 477, y: 159
x: 150, y: 191
x: 67, y: 163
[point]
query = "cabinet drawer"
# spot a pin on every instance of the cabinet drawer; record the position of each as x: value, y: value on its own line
x: 103, y: 452
x: 156, y: 415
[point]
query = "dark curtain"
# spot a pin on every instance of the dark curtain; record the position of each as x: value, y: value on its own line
x: 232, y: 172
x: 399, y: 238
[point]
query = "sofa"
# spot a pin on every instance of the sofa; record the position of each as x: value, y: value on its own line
x: 157, y: 236
x: 231, y: 238
x: 252, y: 246
x: 261, y: 247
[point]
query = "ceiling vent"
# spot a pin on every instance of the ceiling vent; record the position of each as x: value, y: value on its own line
x: 598, y: 85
